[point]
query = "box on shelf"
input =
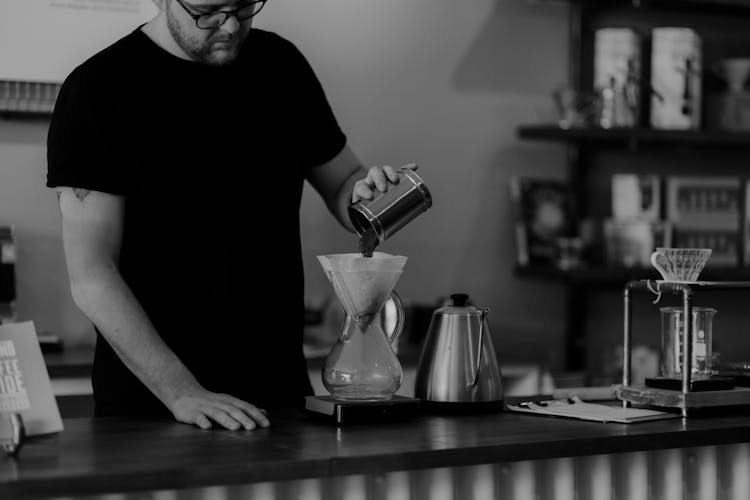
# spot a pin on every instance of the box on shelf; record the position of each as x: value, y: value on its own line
x: 724, y: 242
x: 543, y: 213
x: 630, y: 242
x: 676, y: 74
x: 701, y: 201
x: 617, y: 67
x: 705, y: 212
x: 636, y: 196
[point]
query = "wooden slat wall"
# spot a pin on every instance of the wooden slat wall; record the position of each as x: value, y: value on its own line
x: 704, y: 473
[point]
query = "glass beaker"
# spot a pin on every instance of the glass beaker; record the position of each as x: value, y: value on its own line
x: 672, y: 324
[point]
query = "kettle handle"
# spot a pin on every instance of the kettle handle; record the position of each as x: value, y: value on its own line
x: 393, y: 337
x: 481, y: 335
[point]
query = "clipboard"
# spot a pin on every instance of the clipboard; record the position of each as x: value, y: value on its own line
x: 575, y: 408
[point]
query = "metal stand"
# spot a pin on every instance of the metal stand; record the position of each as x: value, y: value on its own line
x: 660, y: 397
x: 13, y: 444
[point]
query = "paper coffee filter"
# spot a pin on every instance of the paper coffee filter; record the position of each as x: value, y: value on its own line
x: 355, y: 262
x: 363, y: 292
x: 362, y: 284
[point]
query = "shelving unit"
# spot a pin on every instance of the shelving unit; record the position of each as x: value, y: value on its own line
x: 20, y: 99
x: 635, y: 137
x: 26, y: 115
x: 724, y: 26
x: 614, y: 277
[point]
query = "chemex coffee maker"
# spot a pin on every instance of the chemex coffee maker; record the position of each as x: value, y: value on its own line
x: 688, y: 379
x: 362, y: 372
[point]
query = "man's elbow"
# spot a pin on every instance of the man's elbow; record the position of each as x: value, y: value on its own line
x: 82, y: 292
x: 86, y: 288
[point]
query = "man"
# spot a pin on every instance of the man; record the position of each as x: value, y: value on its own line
x: 179, y: 155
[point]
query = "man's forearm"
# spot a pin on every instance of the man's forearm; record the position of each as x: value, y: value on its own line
x: 110, y: 304
x: 343, y: 198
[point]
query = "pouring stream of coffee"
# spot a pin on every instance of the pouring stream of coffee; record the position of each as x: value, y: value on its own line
x: 367, y: 244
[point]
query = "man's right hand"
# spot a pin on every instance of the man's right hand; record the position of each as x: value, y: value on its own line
x: 202, y: 407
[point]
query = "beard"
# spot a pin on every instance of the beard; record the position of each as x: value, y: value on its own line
x: 219, y: 49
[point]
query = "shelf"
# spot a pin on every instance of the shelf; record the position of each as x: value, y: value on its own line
x: 26, y: 115
x: 634, y: 136
x: 618, y: 276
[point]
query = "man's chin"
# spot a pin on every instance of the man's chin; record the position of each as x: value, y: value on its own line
x: 220, y: 57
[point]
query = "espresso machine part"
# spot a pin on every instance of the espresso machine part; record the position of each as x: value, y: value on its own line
x: 458, y: 369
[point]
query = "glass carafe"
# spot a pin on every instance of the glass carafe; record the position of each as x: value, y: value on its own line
x: 362, y: 365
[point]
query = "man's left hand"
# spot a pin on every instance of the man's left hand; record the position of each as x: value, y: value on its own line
x: 377, y: 178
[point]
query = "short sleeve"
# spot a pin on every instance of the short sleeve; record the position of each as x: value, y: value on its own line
x: 84, y: 149
x: 317, y: 135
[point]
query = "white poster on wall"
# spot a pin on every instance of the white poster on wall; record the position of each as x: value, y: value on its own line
x: 43, y: 40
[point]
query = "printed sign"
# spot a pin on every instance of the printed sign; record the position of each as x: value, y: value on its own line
x: 24, y: 382
x: 13, y: 395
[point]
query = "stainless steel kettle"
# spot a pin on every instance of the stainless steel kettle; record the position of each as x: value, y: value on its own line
x: 458, y: 369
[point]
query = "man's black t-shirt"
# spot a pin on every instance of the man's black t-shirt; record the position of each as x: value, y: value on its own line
x: 211, y: 161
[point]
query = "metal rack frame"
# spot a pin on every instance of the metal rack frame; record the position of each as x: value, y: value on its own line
x: 686, y: 289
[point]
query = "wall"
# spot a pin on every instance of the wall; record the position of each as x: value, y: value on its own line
x: 441, y: 83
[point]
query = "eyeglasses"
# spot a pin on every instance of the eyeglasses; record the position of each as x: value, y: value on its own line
x: 215, y: 19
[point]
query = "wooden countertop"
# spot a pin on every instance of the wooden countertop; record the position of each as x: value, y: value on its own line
x: 118, y: 455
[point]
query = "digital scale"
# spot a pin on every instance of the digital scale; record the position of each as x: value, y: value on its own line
x: 330, y: 410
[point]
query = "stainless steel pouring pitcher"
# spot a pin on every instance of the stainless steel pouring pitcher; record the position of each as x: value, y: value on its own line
x: 378, y: 219
x: 458, y: 369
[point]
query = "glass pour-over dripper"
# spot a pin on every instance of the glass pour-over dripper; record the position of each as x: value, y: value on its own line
x: 362, y: 364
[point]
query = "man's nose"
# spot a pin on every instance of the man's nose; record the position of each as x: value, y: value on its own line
x: 231, y: 25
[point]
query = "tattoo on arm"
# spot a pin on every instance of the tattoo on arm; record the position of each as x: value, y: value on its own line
x: 81, y: 193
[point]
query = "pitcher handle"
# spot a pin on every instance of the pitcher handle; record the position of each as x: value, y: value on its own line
x: 393, y: 337
x: 481, y: 335
x: 654, y: 258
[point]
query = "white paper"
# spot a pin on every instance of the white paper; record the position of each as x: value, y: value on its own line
x: 590, y: 411
x: 26, y: 387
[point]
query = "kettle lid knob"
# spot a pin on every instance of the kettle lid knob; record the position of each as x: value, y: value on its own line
x: 460, y: 299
